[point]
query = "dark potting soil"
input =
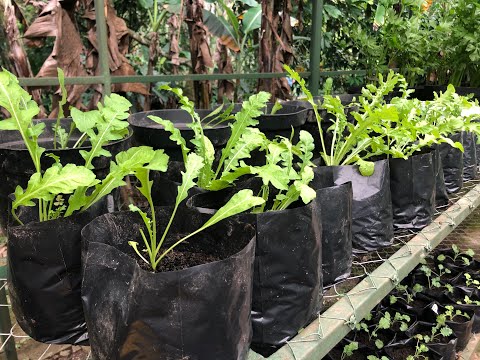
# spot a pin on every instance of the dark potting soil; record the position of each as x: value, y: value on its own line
x: 401, y: 353
x: 199, y: 250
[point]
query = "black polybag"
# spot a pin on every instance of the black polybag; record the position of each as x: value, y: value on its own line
x: 287, y: 281
x: 470, y: 170
x: 452, y: 163
x: 413, y: 187
x: 199, y: 313
x: 441, y: 194
x: 44, y: 277
x: 336, y: 209
x: 372, y: 217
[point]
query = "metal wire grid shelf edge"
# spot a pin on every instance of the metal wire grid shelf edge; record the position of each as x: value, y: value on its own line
x: 377, y: 273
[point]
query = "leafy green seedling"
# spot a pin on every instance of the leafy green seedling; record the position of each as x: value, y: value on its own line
x: 240, y: 202
x: 349, y: 349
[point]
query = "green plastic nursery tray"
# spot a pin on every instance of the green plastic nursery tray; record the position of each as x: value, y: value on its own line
x: 373, y: 276
x: 318, y: 338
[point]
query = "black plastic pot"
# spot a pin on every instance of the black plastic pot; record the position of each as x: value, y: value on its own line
x: 427, y: 93
x: 462, y: 328
x: 287, y: 281
x: 16, y: 165
x: 336, y: 206
x: 372, y: 219
x: 469, y: 156
x: 147, y: 132
x: 412, y: 184
x: 44, y: 277
x: 441, y: 194
x: 282, y: 122
x: 200, y: 312
x: 452, y: 163
x: 447, y: 349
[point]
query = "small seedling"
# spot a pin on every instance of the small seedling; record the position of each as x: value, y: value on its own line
x: 349, y: 349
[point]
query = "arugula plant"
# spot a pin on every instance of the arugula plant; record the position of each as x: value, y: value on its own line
x: 349, y: 349
x: 288, y: 169
x: 434, y: 279
x: 243, y: 140
x: 101, y: 126
x: 50, y: 188
x: 468, y: 301
x: 385, y: 322
x: 406, y: 294
x: 464, y: 257
x: 240, y: 202
x: 352, y: 148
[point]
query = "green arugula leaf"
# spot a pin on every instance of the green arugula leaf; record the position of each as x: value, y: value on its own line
x: 56, y: 180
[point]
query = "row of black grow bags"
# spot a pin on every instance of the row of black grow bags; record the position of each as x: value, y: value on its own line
x: 336, y: 240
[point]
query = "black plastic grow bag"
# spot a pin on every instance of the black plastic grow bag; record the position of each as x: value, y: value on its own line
x: 147, y: 132
x: 469, y: 156
x: 372, y: 218
x: 452, y: 164
x: 287, y: 281
x: 336, y: 207
x: 412, y: 183
x: 44, y: 277
x: 16, y: 165
x: 441, y: 194
x: 201, y: 312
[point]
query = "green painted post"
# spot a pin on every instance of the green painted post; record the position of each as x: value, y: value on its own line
x: 102, y: 39
x: 315, y: 46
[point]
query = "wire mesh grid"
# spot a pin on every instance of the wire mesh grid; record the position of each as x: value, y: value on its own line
x: 466, y: 235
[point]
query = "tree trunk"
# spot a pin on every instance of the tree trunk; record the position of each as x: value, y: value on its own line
x: 199, y: 50
x: 275, y: 46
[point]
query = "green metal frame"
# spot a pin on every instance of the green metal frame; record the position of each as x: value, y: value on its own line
x: 106, y: 79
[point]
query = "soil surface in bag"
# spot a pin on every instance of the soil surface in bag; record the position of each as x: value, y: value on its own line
x: 412, y: 184
x: 44, y: 278
x: 190, y: 312
x: 16, y: 165
x: 148, y: 132
x: 470, y: 170
x: 441, y: 194
x: 452, y: 163
x: 287, y: 283
x: 372, y: 218
x: 336, y: 207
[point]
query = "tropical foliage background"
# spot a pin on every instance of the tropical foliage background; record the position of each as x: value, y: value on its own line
x: 434, y: 41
